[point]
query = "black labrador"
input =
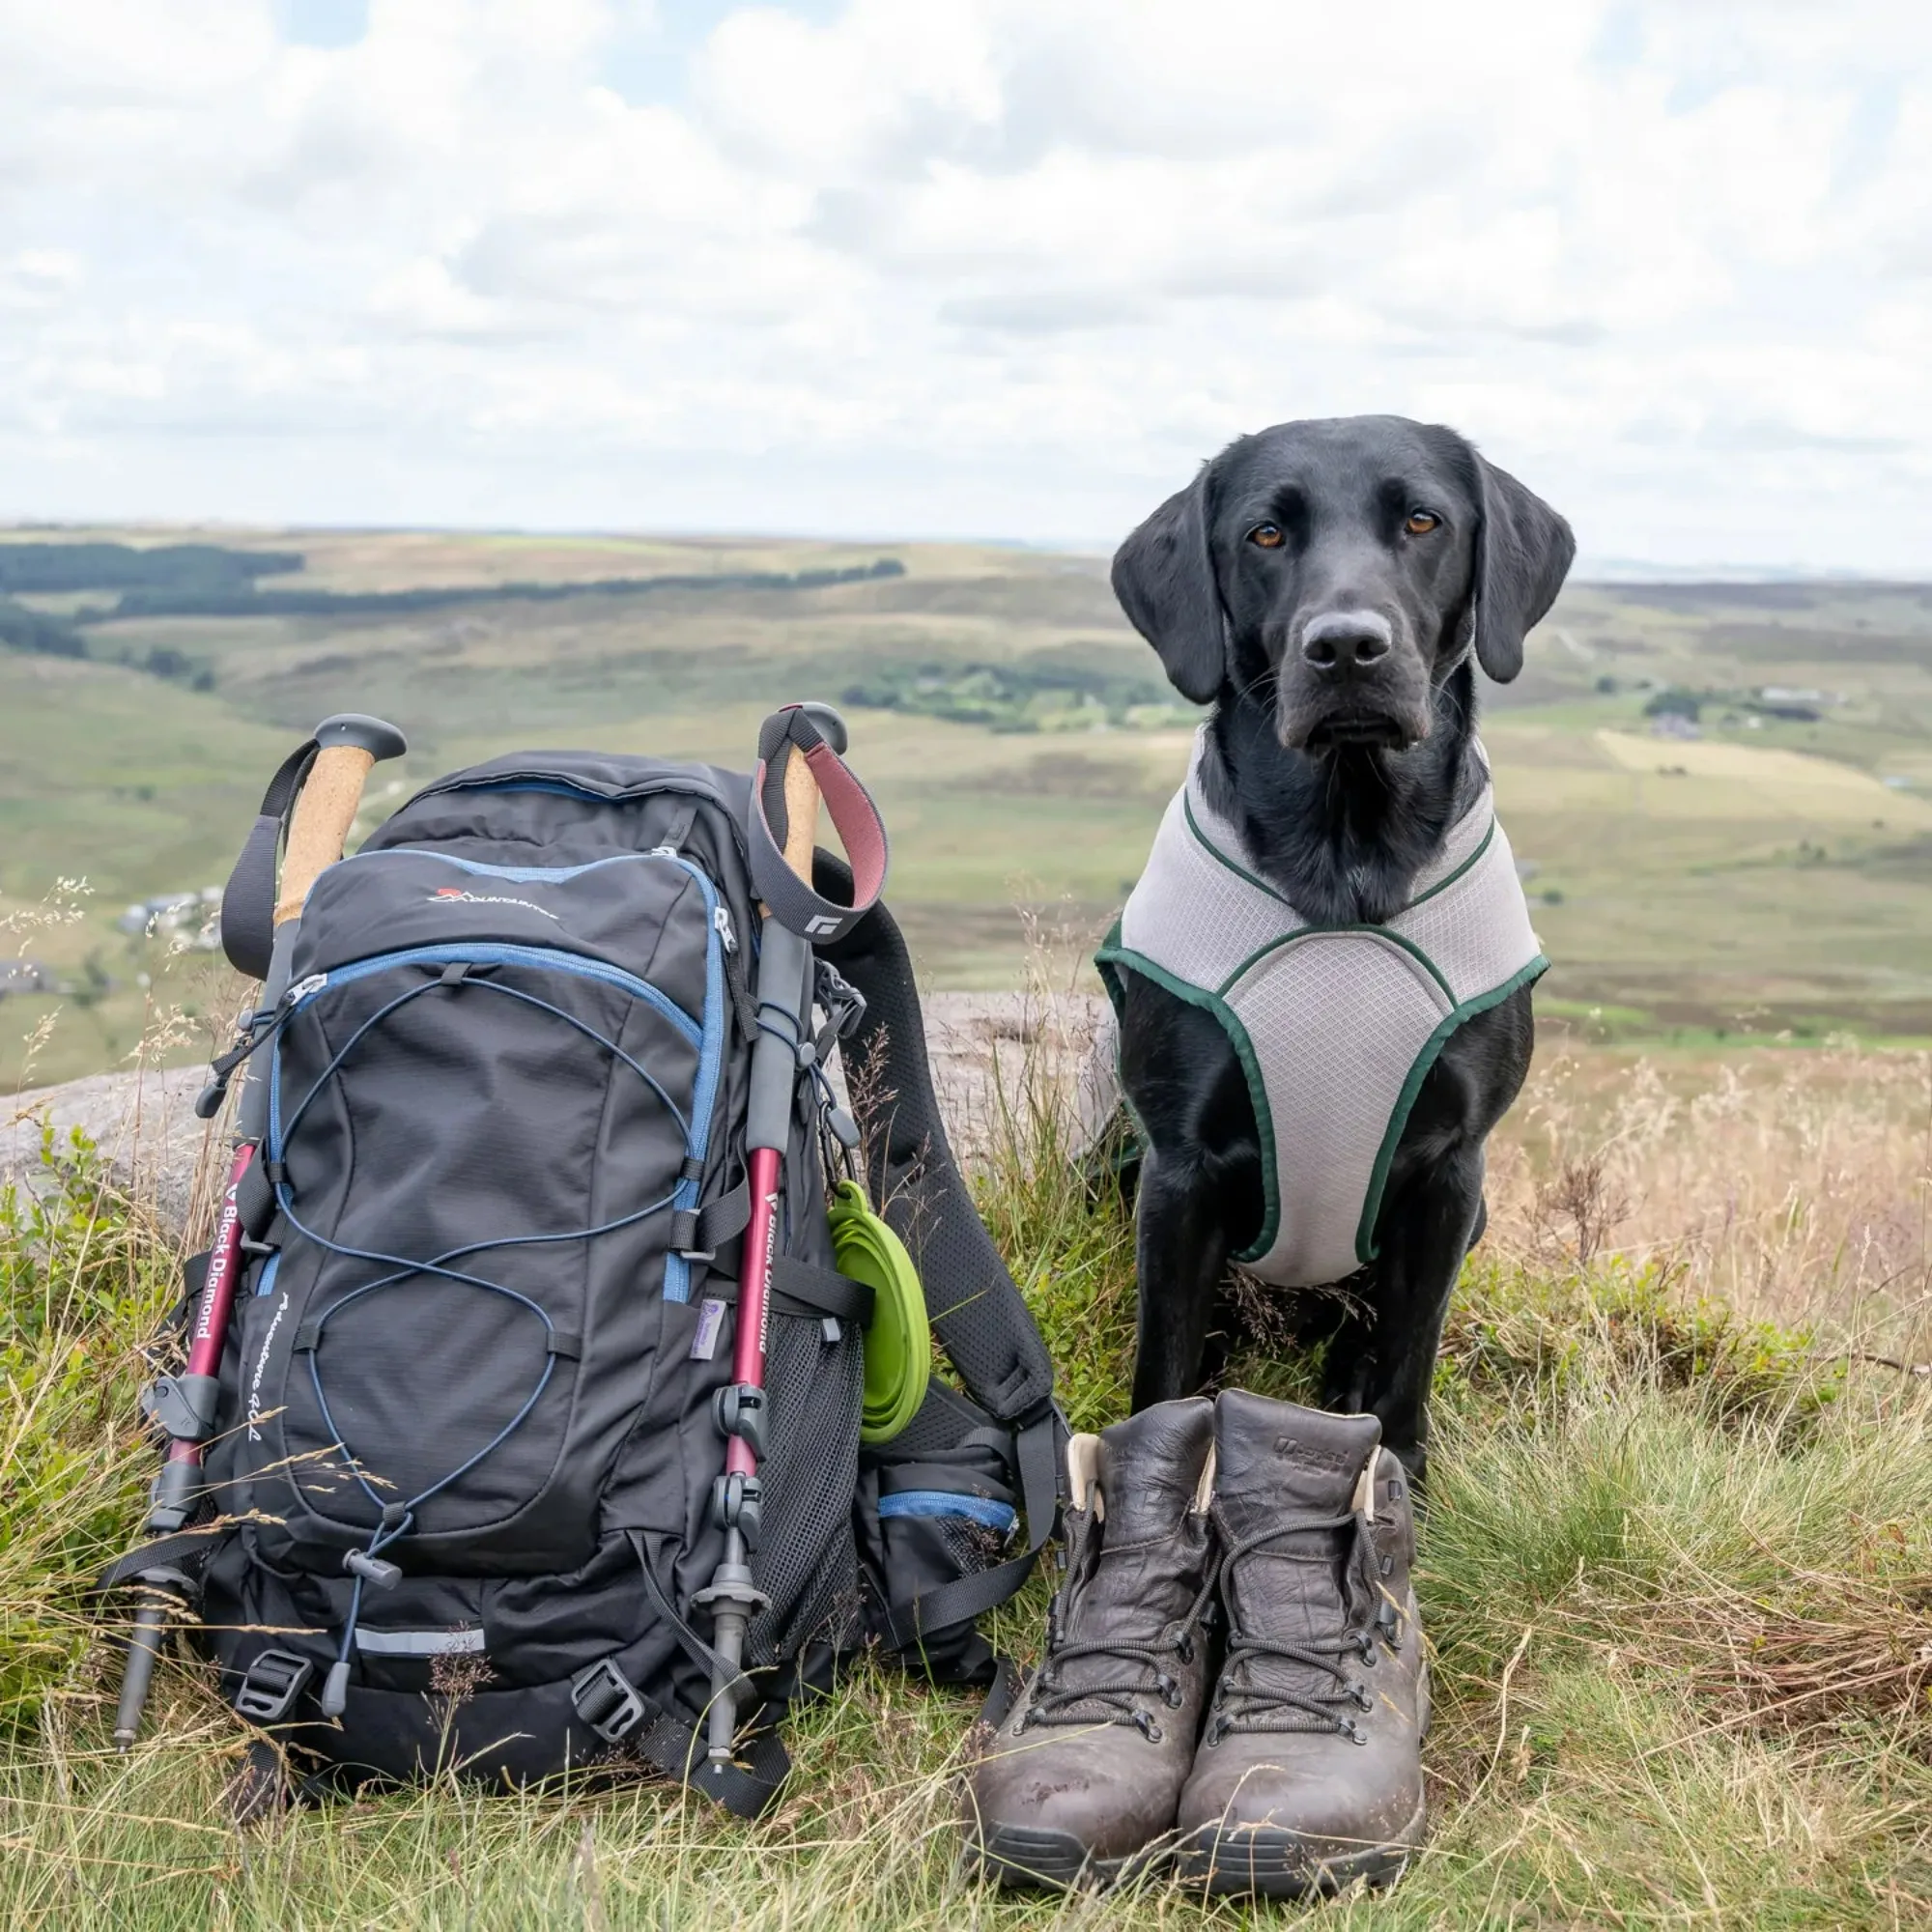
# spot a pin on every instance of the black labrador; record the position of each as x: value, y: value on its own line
x: 1325, y: 585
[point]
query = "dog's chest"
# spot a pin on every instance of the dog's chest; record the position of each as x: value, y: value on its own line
x: 1335, y: 1025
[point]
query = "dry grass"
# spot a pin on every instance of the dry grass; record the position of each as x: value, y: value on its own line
x: 1790, y: 1185
x: 1675, y: 1573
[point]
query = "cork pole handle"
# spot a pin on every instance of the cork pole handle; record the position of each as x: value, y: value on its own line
x: 801, y: 796
x: 350, y: 746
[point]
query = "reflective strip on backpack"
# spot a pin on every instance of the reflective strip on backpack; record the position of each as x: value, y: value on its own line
x: 417, y: 1643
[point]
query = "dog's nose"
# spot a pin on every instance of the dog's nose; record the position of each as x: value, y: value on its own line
x: 1339, y: 642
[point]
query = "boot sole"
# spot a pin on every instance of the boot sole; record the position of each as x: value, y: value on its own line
x: 1031, y: 1859
x: 1265, y: 1863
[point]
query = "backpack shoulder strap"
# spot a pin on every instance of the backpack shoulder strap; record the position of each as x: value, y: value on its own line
x: 974, y: 1303
x: 978, y: 1313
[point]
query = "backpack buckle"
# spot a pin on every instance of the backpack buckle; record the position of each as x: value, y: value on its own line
x: 607, y: 1701
x: 270, y: 1685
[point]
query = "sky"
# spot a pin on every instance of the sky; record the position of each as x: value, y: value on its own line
x: 990, y: 268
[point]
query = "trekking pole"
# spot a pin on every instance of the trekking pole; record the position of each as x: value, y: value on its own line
x: 808, y: 739
x: 347, y: 746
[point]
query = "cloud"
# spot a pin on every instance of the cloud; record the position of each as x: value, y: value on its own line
x: 999, y: 267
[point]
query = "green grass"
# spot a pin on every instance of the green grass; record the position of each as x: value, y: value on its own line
x: 1677, y: 1579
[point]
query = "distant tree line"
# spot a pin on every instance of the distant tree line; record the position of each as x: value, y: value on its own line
x: 207, y: 581
x: 47, y: 567
x: 1025, y: 695
x: 25, y: 630
x: 245, y: 601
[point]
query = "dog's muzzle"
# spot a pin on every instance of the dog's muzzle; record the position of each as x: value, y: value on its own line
x: 1347, y: 680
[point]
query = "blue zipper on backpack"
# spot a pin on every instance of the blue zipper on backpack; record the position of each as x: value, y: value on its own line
x: 708, y: 1038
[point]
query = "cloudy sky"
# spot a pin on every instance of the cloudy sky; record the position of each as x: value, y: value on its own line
x: 977, y: 268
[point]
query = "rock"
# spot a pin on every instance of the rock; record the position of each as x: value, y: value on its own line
x: 143, y: 1124
x: 1001, y: 1058
x: 993, y: 1055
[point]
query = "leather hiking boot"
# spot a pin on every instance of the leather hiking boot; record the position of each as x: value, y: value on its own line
x: 1309, y: 1774
x: 1082, y: 1778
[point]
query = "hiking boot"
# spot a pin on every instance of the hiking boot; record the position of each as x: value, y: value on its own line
x: 1309, y: 1774
x: 1083, y: 1777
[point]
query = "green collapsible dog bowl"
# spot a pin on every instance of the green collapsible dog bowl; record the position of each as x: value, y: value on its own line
x: 898, y: 1343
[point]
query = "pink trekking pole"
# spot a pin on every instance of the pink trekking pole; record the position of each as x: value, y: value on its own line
x: 323, y: 814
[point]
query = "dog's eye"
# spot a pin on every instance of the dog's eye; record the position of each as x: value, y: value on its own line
x: 1420, y: 522
x: 1268, y: 535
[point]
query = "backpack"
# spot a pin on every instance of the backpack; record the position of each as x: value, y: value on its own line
x: 458, y: 1488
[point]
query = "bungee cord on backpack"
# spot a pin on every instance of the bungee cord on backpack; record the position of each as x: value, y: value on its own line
x: 397, y: 1520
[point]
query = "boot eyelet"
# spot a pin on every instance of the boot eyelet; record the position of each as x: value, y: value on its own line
x: 1185, y: 1650
x: 1145, y: 1724
x: 1175, y: 1696
x: 1360, y: 1693
x: 1352, y: 1730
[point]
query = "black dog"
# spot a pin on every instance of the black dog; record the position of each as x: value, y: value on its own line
x: 1325, y: 585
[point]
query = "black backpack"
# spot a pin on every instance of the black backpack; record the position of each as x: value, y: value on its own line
x: 458, y: 1502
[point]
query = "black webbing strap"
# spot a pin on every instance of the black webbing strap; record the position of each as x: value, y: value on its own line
x: 800, y: 1288
x: 255, y: 1200
x: 176, y: 1555
x: 612, y: 1706
x: 822, y: 1291
x: 249, y: 900
x: 700, y: 1232
x: 745, y: 1787
x: 1038, y: 1449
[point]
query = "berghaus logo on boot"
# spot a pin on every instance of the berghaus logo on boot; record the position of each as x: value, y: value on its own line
x: 447, y: 893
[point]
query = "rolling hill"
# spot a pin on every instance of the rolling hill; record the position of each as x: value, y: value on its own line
x: 1761, y: 869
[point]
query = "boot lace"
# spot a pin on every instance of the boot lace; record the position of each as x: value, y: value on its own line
x: 1248, y: 1701
x: 1143, y: 1675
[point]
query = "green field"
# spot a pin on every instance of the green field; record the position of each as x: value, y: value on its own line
x: 1765, y: 877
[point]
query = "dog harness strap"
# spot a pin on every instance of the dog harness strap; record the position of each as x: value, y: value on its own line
x: 1336, y: 1027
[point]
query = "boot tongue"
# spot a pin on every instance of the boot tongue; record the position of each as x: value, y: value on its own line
x: 1145, y: 1564
x: 1149, y: 1469
x: 1276, y: 1459
x: 1276, y: 1463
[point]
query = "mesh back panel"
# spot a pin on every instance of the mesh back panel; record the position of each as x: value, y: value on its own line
x: 814, y: 1392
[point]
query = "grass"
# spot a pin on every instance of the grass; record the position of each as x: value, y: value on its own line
x: 1677, y: 1573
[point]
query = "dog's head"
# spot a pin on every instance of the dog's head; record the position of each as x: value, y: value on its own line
x: 1338, y: 572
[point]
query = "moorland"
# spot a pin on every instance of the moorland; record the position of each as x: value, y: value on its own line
x: 1720, y: 793
x: 1676, y: 1572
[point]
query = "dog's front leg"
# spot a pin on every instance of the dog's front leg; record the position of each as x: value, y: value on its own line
x: 1181, y: 1250
x: 1384, y: 1358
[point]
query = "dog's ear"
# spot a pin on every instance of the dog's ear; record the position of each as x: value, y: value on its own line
x: 1523, y: 553
x: 1164, y: 578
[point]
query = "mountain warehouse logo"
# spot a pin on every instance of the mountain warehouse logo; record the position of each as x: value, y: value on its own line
x: 447, y: 893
